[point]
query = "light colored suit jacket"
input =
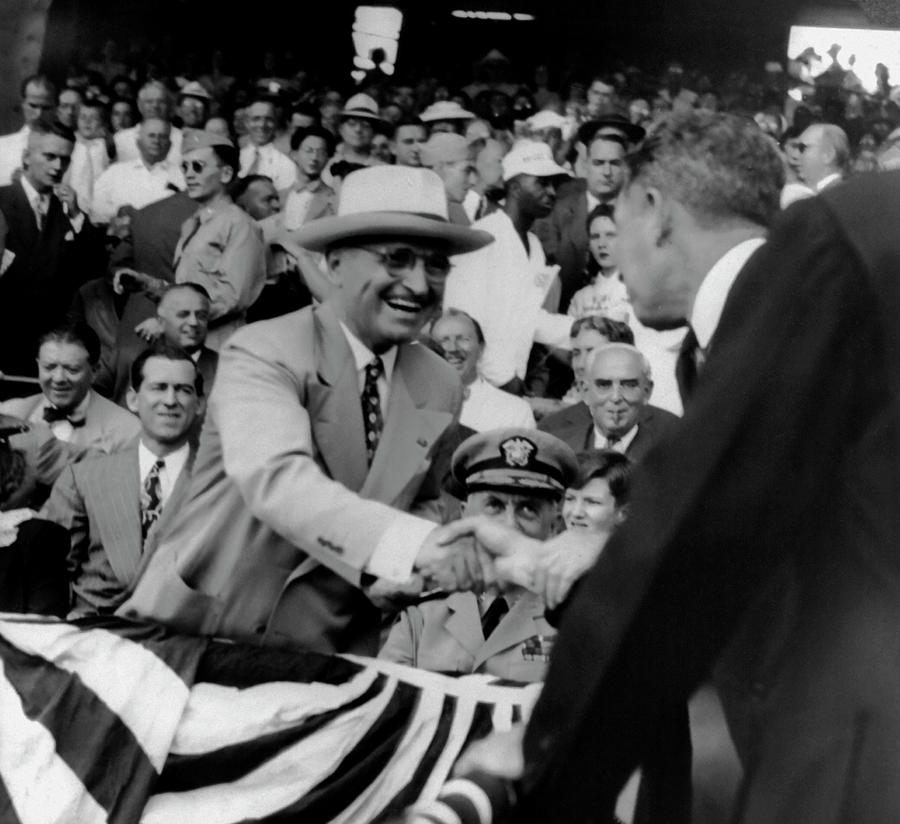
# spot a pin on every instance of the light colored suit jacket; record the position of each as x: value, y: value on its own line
x: 107, y: 427
x: 98, y: 502
x: 446, y: 636
x: 283, y: 513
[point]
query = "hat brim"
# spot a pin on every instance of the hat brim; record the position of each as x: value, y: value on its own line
x: 361, y: 114
x: 322, y: 233
x: 548, y: 169
x: 633, y: 132
x: 441, y: 118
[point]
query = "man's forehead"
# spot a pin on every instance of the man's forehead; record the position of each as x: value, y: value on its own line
x: 453, y: 323
x: 158, y: 369
x: 180, y: 299
x: 616, y: 363
x: 201, y: 153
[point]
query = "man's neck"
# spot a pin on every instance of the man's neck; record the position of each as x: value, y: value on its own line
x: 522, y: 221
x: 41, y: 189
x: 304, y: 180
x: 216, y: 201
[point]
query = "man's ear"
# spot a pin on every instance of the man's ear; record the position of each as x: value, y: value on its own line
x: 227, y: 174
x: 661, y: 209
x: 131, y: 400
x: 333, y: 269
x: 621, y: 513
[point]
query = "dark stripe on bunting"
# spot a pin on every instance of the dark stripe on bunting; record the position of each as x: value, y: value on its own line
x: 360, y: 767
x: 244, y: 665
x: 190, y: 772
x: 410, y: 793
x: 7, y: 811
x: 90, y: 738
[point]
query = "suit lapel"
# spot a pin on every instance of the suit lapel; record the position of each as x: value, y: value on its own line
x: 116, y: 488
x: 178, y: 493
x: 517, y: 625
x: 464, y: 621
x: 27, y: 222
x: 410, y: 430
x: 334, y: 403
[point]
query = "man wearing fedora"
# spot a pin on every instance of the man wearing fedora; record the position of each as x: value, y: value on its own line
x: 316, y: 474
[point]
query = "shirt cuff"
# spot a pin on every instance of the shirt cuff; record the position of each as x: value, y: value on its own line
x: 77, y: 222
x: 395, y: 556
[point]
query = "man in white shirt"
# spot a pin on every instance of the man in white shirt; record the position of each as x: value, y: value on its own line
x: 38, y: 104
x: 504, y: 285
x: 114, y: 505
x: 154, y: 100
x: 259, y: 156
x: 824, y: 155
x: 484, y: 406
x: 139, y: 182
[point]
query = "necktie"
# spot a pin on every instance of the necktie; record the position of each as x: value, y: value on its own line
x: 151, y: 498
x: 253, y: 168
x: 196, y: 223
x: 493, y: 615
x: 687, y: 366
x: 371, y: 407
x: 52, y: 414
x: 43, y: 207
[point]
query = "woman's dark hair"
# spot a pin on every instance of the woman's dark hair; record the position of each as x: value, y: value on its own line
x: 611, y: 466
x: 600, y: 210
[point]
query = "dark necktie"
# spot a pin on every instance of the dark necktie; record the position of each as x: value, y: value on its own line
x: 687, y: 367
x: 196, y: 223
x: 493, y: 615
x: 371, y: 407
x: 151, y: 499
x: 52, y: 414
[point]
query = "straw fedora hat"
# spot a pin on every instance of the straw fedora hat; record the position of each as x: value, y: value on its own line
x: 391, y: 201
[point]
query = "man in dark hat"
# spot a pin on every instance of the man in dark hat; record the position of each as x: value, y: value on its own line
x: 517, y: 477
x: 316, y: 473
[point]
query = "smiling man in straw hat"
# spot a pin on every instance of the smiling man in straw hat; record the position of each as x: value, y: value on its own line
x: 315, y: 473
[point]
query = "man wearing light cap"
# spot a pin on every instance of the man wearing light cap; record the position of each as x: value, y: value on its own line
x: 517, y: 477
x: 450, y: 157
x: 317, y: 471
x: 193, y: 105
x: 505, y: 285
x: 446, y: 116
x: 357, y: 128
x: 221, y: 248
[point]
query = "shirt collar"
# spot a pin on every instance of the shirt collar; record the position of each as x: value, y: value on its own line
x: 31, y: 193
x: 311, y: 186
x: 713, y: 292
x: 78, y: 412
x: 622, y: 443
x: 828, y: 180
x: 362, y: 355
x: 175, y: 460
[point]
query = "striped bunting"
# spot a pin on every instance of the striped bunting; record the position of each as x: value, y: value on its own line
x: 109, y: 721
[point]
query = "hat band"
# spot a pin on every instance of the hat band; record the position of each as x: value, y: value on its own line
x: 536, y: 474
x: 399, y: 213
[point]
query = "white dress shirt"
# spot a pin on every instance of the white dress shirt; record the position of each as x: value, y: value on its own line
x: 828, y: 180
x: 619, y: 445
x: 11, y: 148
x: 168, y: 474
x: 503, y: 287
x: 362, y: 357
x: 133, y: 183
x: 713, y: 292
x: 273, y: 164
x: 40, y: 204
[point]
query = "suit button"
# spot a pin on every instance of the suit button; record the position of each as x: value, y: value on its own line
x: 422, y: 442
x: 260, y: 629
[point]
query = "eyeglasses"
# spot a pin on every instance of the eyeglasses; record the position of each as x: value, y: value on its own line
x: 195, y: 166
x: 802, y: 147
x: 402, y: 257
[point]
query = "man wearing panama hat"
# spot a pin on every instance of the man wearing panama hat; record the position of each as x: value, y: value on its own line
x: 315, y: 472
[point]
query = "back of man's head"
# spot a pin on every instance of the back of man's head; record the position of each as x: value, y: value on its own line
x: 720, y: 167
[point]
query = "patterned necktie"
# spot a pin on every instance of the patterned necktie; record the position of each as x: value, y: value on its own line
x: 253, y: 168
x: 493, y: 615
x: 151, y: 499
x: 52, y: 414
x: 371, y: 407
x: 687, y: 366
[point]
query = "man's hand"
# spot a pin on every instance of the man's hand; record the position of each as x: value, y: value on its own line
x: 149, y: 330
x: 561, y: 561
x: 391, y: 597
x: 499, y: 754
x: 68, y: 198
x: 510, y: 553
x: 449, y: 560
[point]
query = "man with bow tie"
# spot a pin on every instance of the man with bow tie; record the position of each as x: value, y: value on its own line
x: 52, y: 248
x: 67, y: 359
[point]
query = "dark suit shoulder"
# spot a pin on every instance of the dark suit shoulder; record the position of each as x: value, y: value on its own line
x: 658, y: 415
x: 576, y: 415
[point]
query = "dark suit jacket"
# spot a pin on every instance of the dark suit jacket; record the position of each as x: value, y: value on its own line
x: 50, y: 265
x: 155, y: 231
x: 766, y: 527
x: 563, y: 234
x: 98, y: 502
x: 283, y: 513
x: 575, y: 426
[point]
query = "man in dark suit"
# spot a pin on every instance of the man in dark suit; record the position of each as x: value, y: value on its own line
x: 54, y: 247
x: 615, y: 413
x: 563, y: 233
x: 767, y: 529
x: 112, y: 506
x: 321, y: 439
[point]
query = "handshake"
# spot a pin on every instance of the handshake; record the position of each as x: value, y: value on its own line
x: 476, y: 553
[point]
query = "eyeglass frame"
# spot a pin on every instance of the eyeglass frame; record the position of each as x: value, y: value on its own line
x: 383, y: 259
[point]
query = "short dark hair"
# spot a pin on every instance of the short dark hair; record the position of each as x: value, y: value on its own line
x: 458, y: 313
x: 407, y: 120
x: 720, y: 167
x: 228, y: 156
x: 55, y: 128
x: 601, y: 210
x: 613, y: 467
x: 299, y: 135
x: 169, y: 351
x: 307, y: 109
x: 238, y: 187
x: 76, y: 332
x: 615, y: 331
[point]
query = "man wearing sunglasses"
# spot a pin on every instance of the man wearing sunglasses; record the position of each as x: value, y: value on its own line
x: 318, y: 471
x: 824, y: 155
